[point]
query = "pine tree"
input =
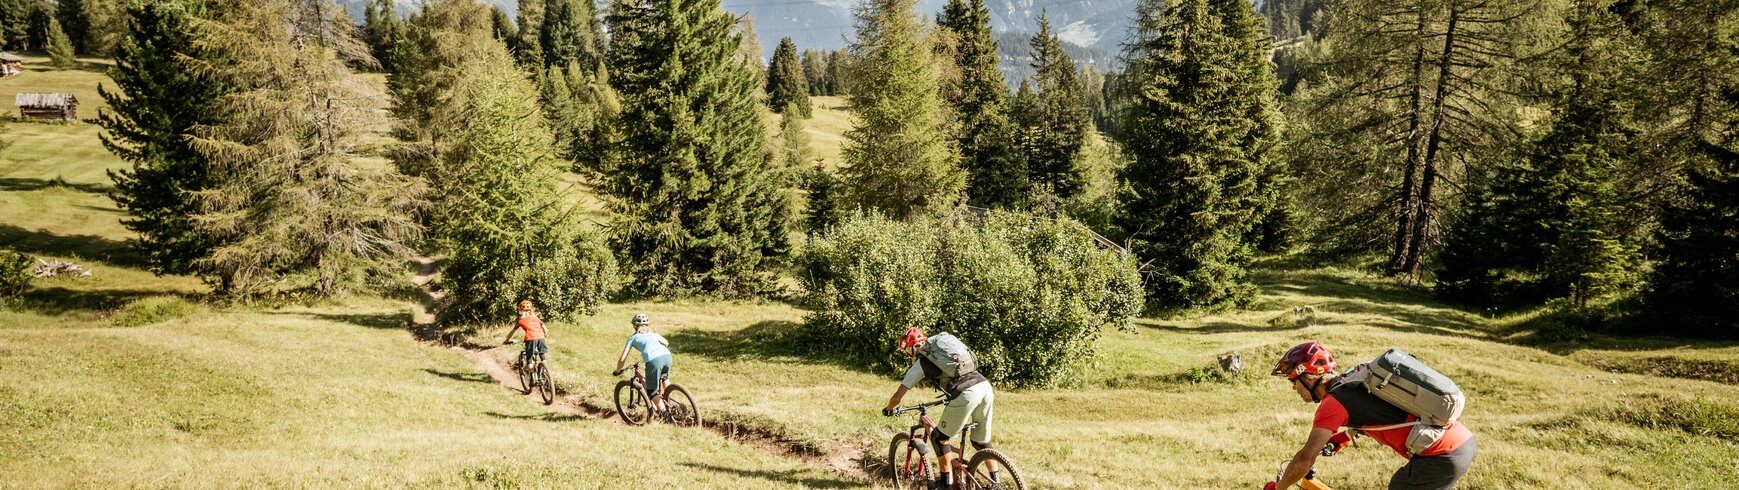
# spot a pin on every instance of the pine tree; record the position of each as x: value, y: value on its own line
x: 161, y: 97
x: 996, y: 176
x: 75, y: 21
x: 504, y: 30
x: 570, y: 34
x: 786, y: 84
x: 1554, y: 226
x: 1056, y: 127
x: 495, y: 208
x: 899, y: 160
x: 836, y: 67
x: 528, y: 48
x: 815, y: 72
x: 382, y: 30
x: 60, y: 49
x: 700, y: 205
x: 1194, y: 152
x: 283, y: 182
x: 1696, y: 282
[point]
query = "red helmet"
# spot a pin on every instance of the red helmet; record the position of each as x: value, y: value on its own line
x: 1306, y: 358
x: 913, y: 336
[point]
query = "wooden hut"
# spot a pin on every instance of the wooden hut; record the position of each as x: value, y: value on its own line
x: 11, y: 64
x: 47, y: 107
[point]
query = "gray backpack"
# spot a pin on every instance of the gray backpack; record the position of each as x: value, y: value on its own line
x: 1408, y: 384
x: 950, y: 354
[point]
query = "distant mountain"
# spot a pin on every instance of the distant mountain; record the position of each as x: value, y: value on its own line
x: 1091, y: 30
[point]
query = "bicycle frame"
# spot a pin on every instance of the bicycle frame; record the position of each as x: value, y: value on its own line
x: 919, y: 435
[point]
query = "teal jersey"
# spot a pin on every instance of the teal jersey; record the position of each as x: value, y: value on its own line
x: 649, y: 345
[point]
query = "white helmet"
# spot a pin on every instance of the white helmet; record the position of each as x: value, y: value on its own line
x: 641, y: 319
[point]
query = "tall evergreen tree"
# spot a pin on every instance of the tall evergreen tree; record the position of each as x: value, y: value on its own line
x: 75, y: 21
x: 899, y: 159
x: 382, y: 30
x: 1195, y: 150
x: 837, y: 61
x: 786, y: 84
x: 528, y: 48
x: 283, y: 181
x: 701, y: 207
x: 495, y: 209
x: 815, y: 72
x: 1696, y: 282
x: 60, y: 49
x: 504, y: 29
x: 996, y: 176
x: 1055, y: 128
x: 1554, y: 226
x: 161, y: 96
x: 570, y: 34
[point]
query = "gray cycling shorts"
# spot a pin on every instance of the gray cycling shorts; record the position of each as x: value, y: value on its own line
x: 1438, y: 472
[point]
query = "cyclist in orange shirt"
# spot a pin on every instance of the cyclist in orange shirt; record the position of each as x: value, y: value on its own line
x: 534, y: 332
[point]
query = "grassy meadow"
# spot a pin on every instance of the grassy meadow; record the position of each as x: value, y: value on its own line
x: 126, y: 379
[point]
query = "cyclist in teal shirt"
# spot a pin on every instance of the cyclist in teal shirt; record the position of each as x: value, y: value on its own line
x: 655, y: 352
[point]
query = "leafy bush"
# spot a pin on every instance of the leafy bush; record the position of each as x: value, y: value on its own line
x: 155, y: 309
x: 1028, y: 295
x: 567, y: 273
x: 15, y: 273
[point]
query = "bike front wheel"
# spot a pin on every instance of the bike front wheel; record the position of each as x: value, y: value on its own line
x: 682, y: 409
x: 908, y: 464
x: 546, y: 384
x: 631, y: 403
x: 1008, y: 476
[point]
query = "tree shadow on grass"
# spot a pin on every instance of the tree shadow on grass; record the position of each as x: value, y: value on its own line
x: 55, y: 301
x: 765, y: 341
x: 384, y: 320
x: 544, y: 417
x: 46, y: 243
x: 1411, y: 308
x: 462, y: 376
x: 787, y: 477
x: 19, y: 184
x: 1208, y: 328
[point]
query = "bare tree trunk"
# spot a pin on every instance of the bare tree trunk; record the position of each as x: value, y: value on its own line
x: 1427, y: 185
x: 1406, y: 203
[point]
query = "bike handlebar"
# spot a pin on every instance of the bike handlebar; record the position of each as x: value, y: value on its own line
x: 919, y: 407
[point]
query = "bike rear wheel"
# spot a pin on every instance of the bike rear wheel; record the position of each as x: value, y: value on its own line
x: 681, y: 406
x: 908, y: 465
x: 631, y: 403
x: 546, y: 384
x: 1008, y: 477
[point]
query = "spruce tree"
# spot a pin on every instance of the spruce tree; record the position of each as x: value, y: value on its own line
x: 1054, y: 129
x: 1189, y: 134
x: 836, y: 67
x: 1696, y: 283
x: 570, y: 34
x: 899, y: 159
x: 815, y: 72
x: 160, y: 97
x: 528, y: 48
x: 75, y: 21
x: 382, y: 30
x: 700, y: 206
x: 60, y: 50
x: 284, y: 184
x: 495, y: 209
x: 786, y: 84
x: 996, y: 176
x: 504, y: 29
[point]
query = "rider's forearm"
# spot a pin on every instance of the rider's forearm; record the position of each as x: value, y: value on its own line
x: 1295, y: 471
x: 900, y: 393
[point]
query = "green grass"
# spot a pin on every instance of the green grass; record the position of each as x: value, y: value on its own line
x: 826, y: 127
x: 42, y: 77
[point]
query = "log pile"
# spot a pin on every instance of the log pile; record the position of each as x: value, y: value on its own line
x: 58, y: 268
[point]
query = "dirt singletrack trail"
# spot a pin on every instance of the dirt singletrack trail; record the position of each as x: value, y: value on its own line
x: 497, y: 361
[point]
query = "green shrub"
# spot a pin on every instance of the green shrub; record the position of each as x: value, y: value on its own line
x: 15, y: 273
x: 1029, y: 295
x: 568, y: 273
x: 155, y: 309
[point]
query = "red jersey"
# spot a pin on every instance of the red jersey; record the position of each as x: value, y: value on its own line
x: 533, y: 326
x: 1349, y: 405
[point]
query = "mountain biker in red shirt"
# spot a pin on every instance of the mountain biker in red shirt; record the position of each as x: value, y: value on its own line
x: 534, y: 332
x: 1310, y: 368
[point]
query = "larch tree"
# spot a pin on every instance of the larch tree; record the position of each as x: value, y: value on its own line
x: 60, y: 49
x: 285, y: 185
x: 160, y: 97
x: 699, y: 202
x: 899, y: 159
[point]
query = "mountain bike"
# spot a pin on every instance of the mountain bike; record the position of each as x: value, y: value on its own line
x: 1308, y: 483
x: 534, y: 374
x: 636, y: 407
x: 910, y: 461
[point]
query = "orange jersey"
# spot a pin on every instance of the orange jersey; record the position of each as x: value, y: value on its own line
x: 533, y: 326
